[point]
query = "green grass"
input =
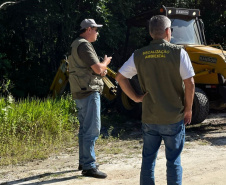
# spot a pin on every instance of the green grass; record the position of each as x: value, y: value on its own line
x: 33, y: 128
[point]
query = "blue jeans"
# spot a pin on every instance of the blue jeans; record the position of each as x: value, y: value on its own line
x: 173, y: 136
x: 89, y: 130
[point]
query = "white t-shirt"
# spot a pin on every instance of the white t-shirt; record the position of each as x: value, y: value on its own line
x: 129, y: 70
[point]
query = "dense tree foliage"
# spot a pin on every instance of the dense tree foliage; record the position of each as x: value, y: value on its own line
x: 36, y: 34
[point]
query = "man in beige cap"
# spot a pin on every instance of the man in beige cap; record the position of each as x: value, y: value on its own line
x: 85, y: 77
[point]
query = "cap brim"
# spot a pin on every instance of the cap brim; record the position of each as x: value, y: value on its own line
x: 97, y: 25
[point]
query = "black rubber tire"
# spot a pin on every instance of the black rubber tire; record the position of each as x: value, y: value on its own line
x: 125, y: 105
x: 200, y: 108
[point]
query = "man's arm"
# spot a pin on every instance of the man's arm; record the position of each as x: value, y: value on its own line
x: 88, y: 55
x: 189, y: 96
x: 100, y: 68
x: 128, y: 89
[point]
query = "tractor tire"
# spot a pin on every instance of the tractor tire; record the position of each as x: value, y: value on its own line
x: 200, y: 108
x: 125, y: 105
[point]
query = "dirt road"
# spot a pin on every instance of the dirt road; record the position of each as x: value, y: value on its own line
x: 203, y: 159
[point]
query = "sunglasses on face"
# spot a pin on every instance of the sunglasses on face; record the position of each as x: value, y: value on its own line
x: 95, y: 28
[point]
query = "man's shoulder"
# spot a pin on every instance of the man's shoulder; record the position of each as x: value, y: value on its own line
x: 79, y: 41
x: 174, y: 46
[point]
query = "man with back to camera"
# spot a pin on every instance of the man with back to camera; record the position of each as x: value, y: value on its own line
x: 85, y: 77
x: 165, y: 75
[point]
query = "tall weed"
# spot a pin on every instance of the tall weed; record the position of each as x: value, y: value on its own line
x: 32, y: 128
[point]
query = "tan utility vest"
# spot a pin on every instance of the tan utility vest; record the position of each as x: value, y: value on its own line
x: 81, y: 77
x: 158, y: 69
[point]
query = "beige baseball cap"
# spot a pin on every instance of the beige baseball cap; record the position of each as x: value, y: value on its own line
x: 89, y: 23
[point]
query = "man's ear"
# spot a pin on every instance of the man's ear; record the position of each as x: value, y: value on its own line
x: 168, y: 30
x: 89, y: 28
x: 168, y: 33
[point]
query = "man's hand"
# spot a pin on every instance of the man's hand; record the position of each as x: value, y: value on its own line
x: 128, y: 89
x: 100, y: 67
x: 107, y: 60
x: 187, y: 117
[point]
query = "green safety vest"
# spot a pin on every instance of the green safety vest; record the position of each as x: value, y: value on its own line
x: 158, y: 69
x: 81, y: 77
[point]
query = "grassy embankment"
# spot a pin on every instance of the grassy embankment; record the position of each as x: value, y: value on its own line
x: 33, y: 128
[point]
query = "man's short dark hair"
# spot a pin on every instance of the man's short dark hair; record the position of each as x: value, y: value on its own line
x: 82, y: 31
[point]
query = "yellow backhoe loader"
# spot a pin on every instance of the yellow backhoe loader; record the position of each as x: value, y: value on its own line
x: 209, y: 63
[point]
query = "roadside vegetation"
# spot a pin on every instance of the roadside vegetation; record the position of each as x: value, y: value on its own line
x: 32, y: 128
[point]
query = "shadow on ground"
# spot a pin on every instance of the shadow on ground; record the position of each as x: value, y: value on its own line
x: 213, y: 130
x: 52, y: 178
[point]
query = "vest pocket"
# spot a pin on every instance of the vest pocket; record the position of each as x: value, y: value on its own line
x: 85, y: 83
x: 96, y: 83
x: 78, y: 84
